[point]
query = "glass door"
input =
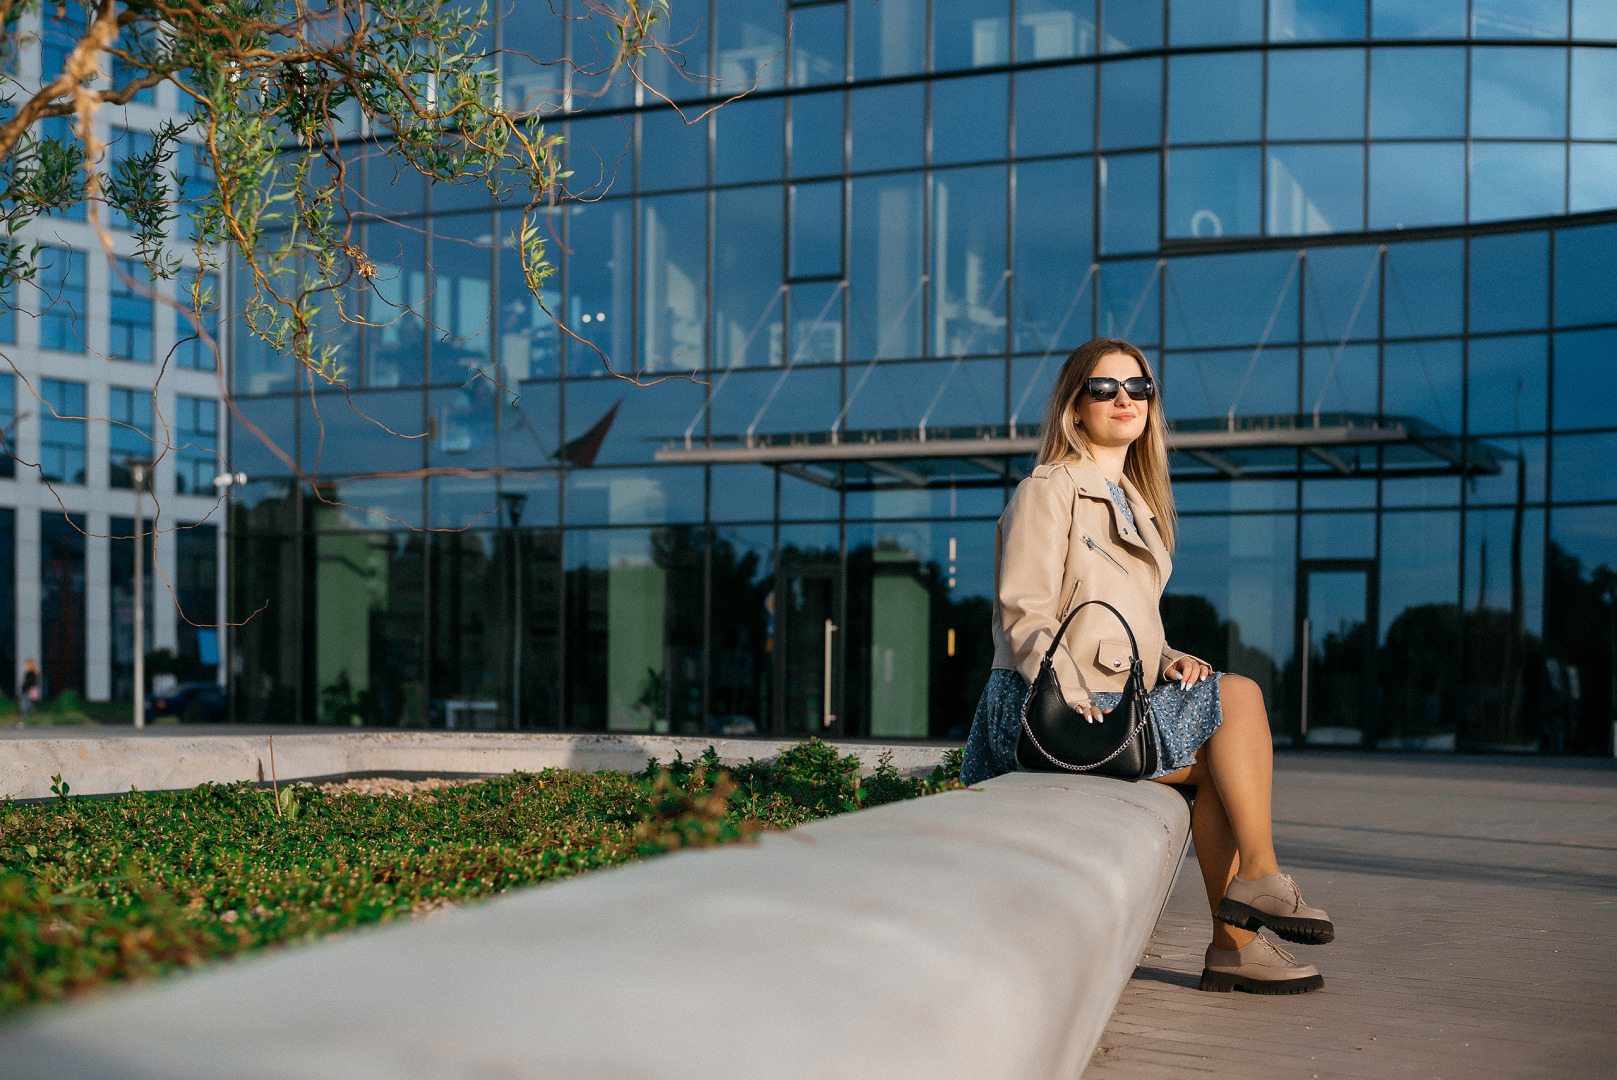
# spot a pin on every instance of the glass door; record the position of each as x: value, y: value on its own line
x: 1336, y: 631
x: 808, y: 687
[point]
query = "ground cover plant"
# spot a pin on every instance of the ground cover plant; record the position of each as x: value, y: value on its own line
x: 94, y: 891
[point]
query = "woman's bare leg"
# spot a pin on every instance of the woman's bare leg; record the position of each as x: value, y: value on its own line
x: 1239, y: 759
x: 1216, y: 854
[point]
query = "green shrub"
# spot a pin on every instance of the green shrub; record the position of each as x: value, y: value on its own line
x: 101, y: 890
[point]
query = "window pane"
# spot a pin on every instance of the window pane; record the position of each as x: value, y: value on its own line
x: 600, y: 287
x: 1585, y: 395
x: 1054, y: 226
x: 1515, y: 180
x: 1508, y: 384
x: 1420, y: 628
x: 1215, y: 98
x: 1054, y: 29
x: 1593, y: 183
x: 969, y: 33
x: 1214, y: 22
x: 1315, y: 189
x: 679, y: 71
x: 968, y: 273
x: 752, y: 46
x: 1518, y: 93
x: 1342, y: 381
x: 1130, y: 103
x: 531, y: 66
x: 1055, y: 111
x: 889, y: 38
x: 673, y: 153
x: 749, y: 141
x: 1416, y: 184
x: 1583, y: 292
x: 1500, y: 489
x: 748, y: 306
x: 1126, y: 27
x: 819, y: 44
x: 633, y: 430
x: 1210, y: 382
x: 885, y: 268
x: 1579, y: 620
x: 816, y: 229
x: 1519, y: 19
x: 62, y: 304
x: 1417, y: 93
x: 1423, y: 380
x: 673, y: 251
x: 196, y: 440
x: 1315, y: 20
x: 462, y: 264
x: 1510, y: 282
x: 1594, y: 93
x: 1339, y: 536
x: 1342, y: 294
x: 1417, y: 18
x: 1130, y: 295
x: 395, y: 342
x: 360, y: 432
x: 969, y: 119
x: 1316, y: 94
x: 1425, y: 291
x: 1214, y: 192
x: 1582, y: 469
x: 275, y: 418
x: 600, y: 152
x: 888, y: 127
x: 1128, y: 198
x: 1228, y: 299
x: 131, y: 311
x: 529, y: 348
x: 817, y: 134
x: 62, y: 607
x: 1593, y: 20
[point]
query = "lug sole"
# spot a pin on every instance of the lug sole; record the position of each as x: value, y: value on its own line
x: 1223, y: 982
x: 1301, y: 931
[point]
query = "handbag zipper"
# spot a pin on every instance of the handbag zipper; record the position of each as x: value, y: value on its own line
x: 1095, y: 547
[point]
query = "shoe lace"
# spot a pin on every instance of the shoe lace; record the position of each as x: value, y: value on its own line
x: 1290, y: 959
x: 1296, y: 893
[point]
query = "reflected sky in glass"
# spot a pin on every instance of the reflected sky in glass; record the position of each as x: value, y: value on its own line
x: 1417, y: 93
x: 673, y: 153
x: 1214, y: 192
x: 1130, y: 103
x: 1316, y: 94
x: 747, y: 305
x: 1594, y: 19
x: 817, y: 134
x: 1508, y: 382
x: 816, y: 229
x: 1425, y: 288
x: 1416, y: 184
x: 1423, y: 380
x: 1583, y: 292
x: 749, y: 141
x: 1517, y: 180
x: 1585, y: 395
x: 969, y: 119
x: 1227, y: 299
x: 1127, y: 27
x: 1510, y: 278
x: 1054, y: 225
x: 1128, y: 195
x: 1055, y: 111
x: 1594, y: 93
x: 1215, y: 98
x: 1582, y: 469
x: 1518, y: 19
x: 1518, y: 93
x: 1316, y: 20
x: 1315, y: 189
x: 1341, y: 293
x: 970, y: 33
x: 752, y: 45
x: 1214, y: 22
x: 888, y: 127
x: 1417, y: 18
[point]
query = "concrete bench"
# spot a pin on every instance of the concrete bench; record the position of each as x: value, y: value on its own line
x: 983, y: 933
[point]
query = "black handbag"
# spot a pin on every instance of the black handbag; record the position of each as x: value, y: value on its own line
x: 1055, y: 737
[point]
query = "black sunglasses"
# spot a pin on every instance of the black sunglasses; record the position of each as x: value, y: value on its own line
x: 1139, y: 388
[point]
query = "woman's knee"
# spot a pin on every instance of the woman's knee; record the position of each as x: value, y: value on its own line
x: 1240, y: 692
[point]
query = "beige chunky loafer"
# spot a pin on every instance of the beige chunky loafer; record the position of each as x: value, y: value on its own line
x: 1258, y: 967
x: 1275, y: 902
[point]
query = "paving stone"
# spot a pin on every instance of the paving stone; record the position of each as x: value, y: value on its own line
x: 1475, y: 902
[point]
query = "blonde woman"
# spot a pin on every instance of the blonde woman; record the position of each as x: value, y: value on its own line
x: 1096, y: 521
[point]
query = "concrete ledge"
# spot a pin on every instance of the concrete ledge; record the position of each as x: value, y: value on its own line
x: 161, y: 760
x: 983, y: 934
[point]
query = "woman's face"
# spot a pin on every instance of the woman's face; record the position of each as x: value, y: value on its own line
x: 1121, y: 420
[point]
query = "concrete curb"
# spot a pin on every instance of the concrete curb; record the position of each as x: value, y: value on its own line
x: 984, y: 934
x: 105, y: 765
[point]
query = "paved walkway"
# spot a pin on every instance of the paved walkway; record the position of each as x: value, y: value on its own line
x: 1475, y: 902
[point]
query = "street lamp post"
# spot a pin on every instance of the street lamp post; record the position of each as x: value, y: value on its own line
x: 222, y: 484
x: 139, y: 474
x: 514, y: 501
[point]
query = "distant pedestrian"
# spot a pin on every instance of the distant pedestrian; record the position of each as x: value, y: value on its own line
x: 1095, y: 522
x: 28, y: 690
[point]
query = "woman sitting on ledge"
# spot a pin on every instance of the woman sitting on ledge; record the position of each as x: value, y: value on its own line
x: 1096, y: 521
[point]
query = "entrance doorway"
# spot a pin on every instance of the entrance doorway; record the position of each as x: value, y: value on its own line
x: 1336, y: 633
x: 808, y: 682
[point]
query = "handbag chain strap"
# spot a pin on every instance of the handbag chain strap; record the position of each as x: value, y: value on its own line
x: 1134, y: 677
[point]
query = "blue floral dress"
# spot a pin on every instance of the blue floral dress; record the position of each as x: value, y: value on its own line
x: 1181, y: 720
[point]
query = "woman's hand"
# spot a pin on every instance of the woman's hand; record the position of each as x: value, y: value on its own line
x: 1092, y: 713
x: 1188, y: 671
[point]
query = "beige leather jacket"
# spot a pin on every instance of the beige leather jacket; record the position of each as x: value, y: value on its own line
x: 1061, y: 541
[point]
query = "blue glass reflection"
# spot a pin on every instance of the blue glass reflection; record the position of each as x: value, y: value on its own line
x: 817, y: 134
x: 679, y: 70
x: 889, y: 127
x: 885, y: 270
x: 1339, y: 536
x: 1518, y: 93
x: 673, y: 152
x: 529, y: 345
x: 1420, y: 572
x: 1500, y: 487
x: 1126, y: 27
x: 1510, y: 282
x: 366, y: 431
x: 1128, y: 199
x: 1055, y: 111
x: 1054, y: 226
x: 1417, y: 93
x: 1342, y: 294
x: 1214, y: 192
x: 970, y: 33
x: 531, y: 64
x: 1215, y: 97
x: 741, y: 493
x: 816, y: 322
x: 749, y: 141
x: 1232, y: 299
x: 651, y: 496
x: 1594, y: 93
x: 1507, y: 382
x: 673, y: 277
x: 1519, y: 19
x: 530, y: 424
x: 1416, y: 184
x: 1585, y: 393
x: 1214, y: 22
x: 1316, y: 20
x: 749, y: 303
x: 1581, y: 469
x: 1054, y: 29
x: 600, y: 152
x: 1592, y: 184
x: 1130, y: 103
x: 1425, y: 288
x: 800, y: 399
x: 1417, y: 18
x: 1315, y: 189
x: 1594, y: 20
x: 816, y: 229
x: 935, y: 394
x: 462, y: 426
x: 1583, y: 260
x: 889, y: 39
x: 1346, y: 379
x: 1129, y: 296
x: 1316, y: 94
x: 624, y: 423
x: 1331, y: 492
x: 276, y: 418
x: 1517, y: 180
x: 600, y: 287
x: 819, y: 44
x: 462, y: 297
x: 968, y: 254
x: 395, y: 341
x: 969, y: 119
x: 1209, y: 383
x: 1423, y: 380
x: 752, y: 45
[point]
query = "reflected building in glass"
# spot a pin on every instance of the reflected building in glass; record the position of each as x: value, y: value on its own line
x: 751, y: 483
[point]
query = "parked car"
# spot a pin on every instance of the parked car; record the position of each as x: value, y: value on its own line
x: 192, y: 702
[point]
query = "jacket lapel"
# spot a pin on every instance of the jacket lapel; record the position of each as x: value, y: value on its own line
x: 1149, y: 537
x: 1091, y: 484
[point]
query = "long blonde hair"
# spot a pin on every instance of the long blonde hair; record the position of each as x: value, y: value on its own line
x: 1147, y: 462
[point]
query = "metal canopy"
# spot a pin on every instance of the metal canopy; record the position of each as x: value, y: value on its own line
x: 1270, y: 447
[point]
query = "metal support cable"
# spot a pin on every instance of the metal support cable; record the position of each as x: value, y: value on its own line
x: 796, y: 355
x: 1358, y: 305
x: 959, y: 355
x: 898, y: 319
x: 735, y: 360
x: 1264, y: 340
x: 1094, y: 268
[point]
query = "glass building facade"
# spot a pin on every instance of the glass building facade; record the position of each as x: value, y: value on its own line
x: 1366, y: 243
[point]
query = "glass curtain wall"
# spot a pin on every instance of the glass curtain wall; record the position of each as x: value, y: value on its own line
x: 1309, y: 211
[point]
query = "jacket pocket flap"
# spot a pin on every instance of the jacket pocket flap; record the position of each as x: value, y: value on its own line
x: 1113, y: 655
